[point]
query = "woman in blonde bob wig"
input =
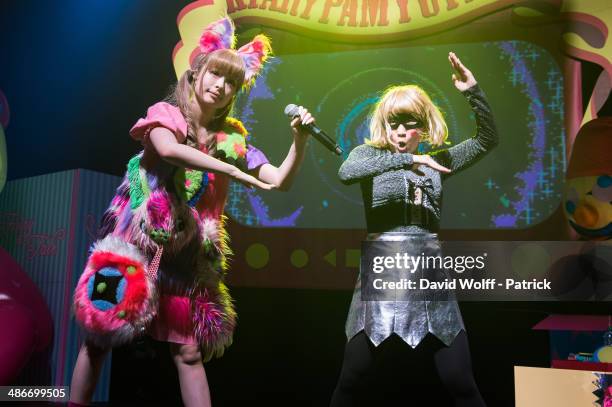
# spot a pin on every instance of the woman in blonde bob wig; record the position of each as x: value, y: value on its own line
x: 407, y: 99
x: 402, y: 198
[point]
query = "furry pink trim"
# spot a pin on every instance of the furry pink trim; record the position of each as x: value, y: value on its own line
x: 254, y: 54
x: 118, y: 323
x: 215, y: 320
x: 218, y: 35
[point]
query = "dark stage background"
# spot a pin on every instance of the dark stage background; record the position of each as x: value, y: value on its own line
x: 78, y: 74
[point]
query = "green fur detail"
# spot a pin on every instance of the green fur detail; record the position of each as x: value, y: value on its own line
x: 181, y: 176
x: 228, y: 145
x: 208, y: 246
x: 138, y: 190
x: 159, y: 235
x: 179, y: 183
x: 146, y: 191
x: 101, y: 287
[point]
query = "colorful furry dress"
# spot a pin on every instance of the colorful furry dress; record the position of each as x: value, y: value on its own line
x: 161, y: 262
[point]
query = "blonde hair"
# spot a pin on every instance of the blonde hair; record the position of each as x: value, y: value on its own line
x: 409, y: 99
x: 230, y: 65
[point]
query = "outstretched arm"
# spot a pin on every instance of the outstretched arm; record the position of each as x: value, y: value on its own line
x: 284, y: 175
x: 164, y: 142
x: 486, y: 137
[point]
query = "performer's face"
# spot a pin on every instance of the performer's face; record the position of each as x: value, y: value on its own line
x: 405, y: 132
x: 215, y: 89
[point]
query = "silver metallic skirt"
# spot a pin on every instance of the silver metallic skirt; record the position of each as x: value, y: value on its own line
x: 410, y: 318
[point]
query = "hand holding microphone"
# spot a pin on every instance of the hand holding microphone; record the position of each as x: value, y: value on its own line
x: 300, y: 118
x: 302, y: 121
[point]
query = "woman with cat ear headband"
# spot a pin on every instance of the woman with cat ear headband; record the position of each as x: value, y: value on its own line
x: 160, y: 263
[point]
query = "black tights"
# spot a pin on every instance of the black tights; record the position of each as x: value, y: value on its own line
x: 453, y: 364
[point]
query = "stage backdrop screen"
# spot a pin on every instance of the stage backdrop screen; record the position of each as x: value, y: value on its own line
x: 515, y: 186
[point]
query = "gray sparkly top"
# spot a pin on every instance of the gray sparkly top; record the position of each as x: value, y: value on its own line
x: 398, y: 198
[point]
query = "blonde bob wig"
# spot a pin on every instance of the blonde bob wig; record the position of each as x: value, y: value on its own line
x: 406, y: 99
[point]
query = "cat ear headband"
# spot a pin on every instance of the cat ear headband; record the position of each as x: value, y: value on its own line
x: 220, y: 35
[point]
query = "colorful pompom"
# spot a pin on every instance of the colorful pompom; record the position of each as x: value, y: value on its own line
x: 254, y: 54
x: 218, y: 35
x: 114, y: 300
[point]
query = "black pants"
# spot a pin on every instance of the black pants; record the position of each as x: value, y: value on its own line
x: 453, y: 364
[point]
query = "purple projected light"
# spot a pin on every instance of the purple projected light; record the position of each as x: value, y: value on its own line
x: 261, y: 211
x: 529, y: 178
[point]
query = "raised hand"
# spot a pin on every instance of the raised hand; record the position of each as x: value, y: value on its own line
x: 462, y: 77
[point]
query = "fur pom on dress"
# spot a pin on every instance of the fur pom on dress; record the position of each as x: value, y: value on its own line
x: 114, y: 299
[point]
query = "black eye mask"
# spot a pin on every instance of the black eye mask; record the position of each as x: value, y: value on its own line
x: 409, y: 121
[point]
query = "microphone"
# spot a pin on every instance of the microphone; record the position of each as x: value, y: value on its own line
x: 292, y: 111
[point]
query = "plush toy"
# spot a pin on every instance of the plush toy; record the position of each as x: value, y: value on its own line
x: 587, y: 204
x: 588, y: 192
